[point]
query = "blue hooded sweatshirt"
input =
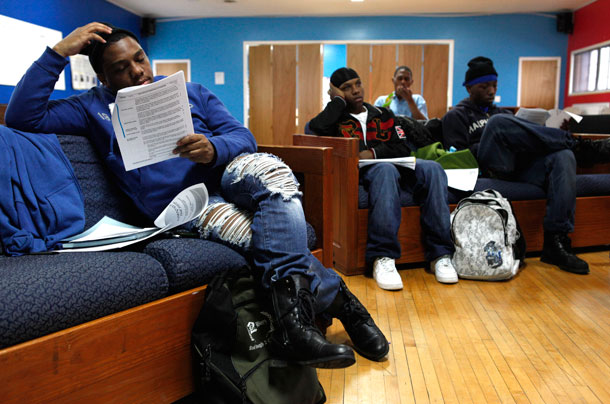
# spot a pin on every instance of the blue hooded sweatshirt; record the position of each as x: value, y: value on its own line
x: 151, y: 187
x: 37, y: 210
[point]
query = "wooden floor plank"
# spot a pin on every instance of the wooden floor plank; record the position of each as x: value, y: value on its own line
x: 541, y: 337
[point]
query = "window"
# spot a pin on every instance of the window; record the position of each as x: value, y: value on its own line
x: 591, y: 70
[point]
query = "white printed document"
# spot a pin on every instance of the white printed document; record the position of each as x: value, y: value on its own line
x: 408, y: 162
x: 463, y: 179
x: 109, y: 234
x: 148, y: 120
x: 552, y: 118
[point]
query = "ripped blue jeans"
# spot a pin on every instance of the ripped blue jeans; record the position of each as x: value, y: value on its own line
x: 260, y: 212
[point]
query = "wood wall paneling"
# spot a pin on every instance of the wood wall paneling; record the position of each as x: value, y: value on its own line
x: 436, y: 80
x: 539, y: 83
x: 411, y: 56
x: 359, y: 59
x: 169, y: 68
x: 261, y: 93
x: 309, y: 84
x: 382, y: 70
x: 284, y: 93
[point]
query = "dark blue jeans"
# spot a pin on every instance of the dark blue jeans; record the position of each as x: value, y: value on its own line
x: 523, y: 151
x: 265, y: 218
x: 428, y: 184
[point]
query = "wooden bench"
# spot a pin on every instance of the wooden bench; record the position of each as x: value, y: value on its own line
x: 592, y: 223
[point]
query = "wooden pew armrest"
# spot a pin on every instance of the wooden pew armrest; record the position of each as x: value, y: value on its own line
x: 315, y: 165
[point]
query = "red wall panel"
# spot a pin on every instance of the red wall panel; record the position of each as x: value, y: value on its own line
x: 590, y: 27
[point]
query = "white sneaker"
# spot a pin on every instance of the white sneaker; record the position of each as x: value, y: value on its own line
x: 386, y: 275
x: 444, y: 270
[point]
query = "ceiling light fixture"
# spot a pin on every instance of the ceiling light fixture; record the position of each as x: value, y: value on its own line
x: 357, y: 1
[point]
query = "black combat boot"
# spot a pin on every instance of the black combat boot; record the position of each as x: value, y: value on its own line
x: 557, y: 250
x: 296, y: 338
x: 367, y: 338
x: 590, y: 152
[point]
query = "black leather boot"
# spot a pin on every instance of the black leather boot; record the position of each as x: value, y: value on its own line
x: 296, y: 338
x: 557, y: 250
x: 367, y: 338
x: 589, y: 152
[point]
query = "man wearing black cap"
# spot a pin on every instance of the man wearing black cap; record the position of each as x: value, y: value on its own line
x: 347, y: 115
x: 514, y: 149
x: 256, y: 194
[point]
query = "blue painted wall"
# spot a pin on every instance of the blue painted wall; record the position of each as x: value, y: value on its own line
x: 335, y: 57
x: 216, y: 44
x: 64, y: 16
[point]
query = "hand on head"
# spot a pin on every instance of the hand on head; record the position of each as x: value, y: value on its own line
x: 335, y: 92
x: 81, y: 37
x: 195, y: 147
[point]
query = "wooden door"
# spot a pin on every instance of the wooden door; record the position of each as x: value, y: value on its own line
x: 309, y: 84
x: 284, y: 67
x: 169, y: 67
x: 436, y: 79
x: 359, y: 59
x: 429, y: 63
x: 539, y: 83
x: 383, y: 65
x: 283, y: 79
x: 260, y: 81
x: 412, y: 57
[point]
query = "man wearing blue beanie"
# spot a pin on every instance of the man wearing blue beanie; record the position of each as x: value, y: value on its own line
x: 514, y: 149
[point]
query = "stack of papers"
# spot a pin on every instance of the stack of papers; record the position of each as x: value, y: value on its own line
x: 148, y: 120
x: 110, y: 234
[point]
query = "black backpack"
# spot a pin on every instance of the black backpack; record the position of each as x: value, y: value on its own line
x: 418, y: 134
x: 231, y: 360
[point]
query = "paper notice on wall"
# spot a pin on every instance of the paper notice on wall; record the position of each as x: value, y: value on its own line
x: 22, y: 43
x: 148, y: 120
x: 83, y: 75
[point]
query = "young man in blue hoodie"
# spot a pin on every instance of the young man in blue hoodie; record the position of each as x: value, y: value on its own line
x: 514, y: 149
x: 255, y: 203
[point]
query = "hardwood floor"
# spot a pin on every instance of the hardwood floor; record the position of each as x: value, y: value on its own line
x: 541, y: 337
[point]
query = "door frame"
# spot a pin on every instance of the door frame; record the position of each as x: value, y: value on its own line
x: 540, y: 58
x: 247, y: 44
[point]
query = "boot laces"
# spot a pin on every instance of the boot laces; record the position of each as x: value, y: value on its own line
x: 354, y: 310
x: 566, y: 242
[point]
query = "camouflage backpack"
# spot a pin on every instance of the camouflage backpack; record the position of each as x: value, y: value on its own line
x: 487, y: 237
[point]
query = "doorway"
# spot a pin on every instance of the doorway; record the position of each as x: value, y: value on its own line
x: 539, y: 82
x: 284, y: 81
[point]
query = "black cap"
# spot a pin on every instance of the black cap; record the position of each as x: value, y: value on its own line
x: 342, y: 75
x: 480, y: 69
x: 95, y: 50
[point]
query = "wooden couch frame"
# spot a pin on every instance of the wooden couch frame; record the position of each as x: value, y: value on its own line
x: 592, y: 224
x: 142, y: 355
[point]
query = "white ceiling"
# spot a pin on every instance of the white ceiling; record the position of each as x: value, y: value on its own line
x: 164, y: 9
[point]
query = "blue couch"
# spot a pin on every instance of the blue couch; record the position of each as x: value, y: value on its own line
x: 117, y: 323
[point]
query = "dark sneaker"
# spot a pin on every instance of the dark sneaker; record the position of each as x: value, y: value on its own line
x: 557, y: 251
x: 590, y: 152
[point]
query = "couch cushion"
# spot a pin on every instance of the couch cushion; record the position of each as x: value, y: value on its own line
x: 41, y: 294
x: 586, y: 185
x: 592, y: 184
x: 102, y: 196
x: 191, y: 262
